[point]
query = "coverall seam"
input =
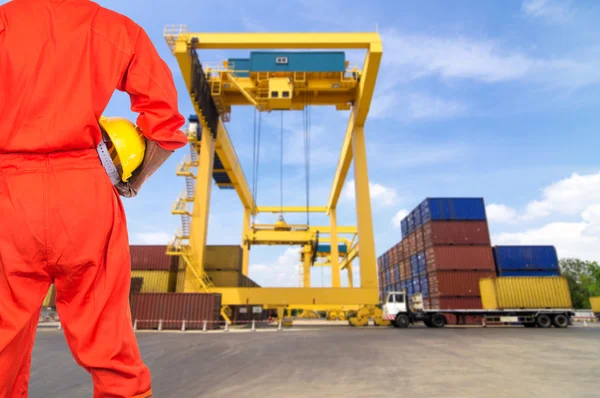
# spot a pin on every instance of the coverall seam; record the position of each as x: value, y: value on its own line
x: 105, y: 37
x: 46, y: 215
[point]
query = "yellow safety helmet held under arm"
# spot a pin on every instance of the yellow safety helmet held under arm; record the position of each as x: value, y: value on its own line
x: 122, y: 148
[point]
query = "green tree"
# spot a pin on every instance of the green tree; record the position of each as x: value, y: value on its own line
x: 583, y: 278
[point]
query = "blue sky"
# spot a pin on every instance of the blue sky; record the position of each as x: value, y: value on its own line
x: 490, y: 99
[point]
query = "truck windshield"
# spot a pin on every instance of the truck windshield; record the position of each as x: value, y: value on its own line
x: 391, y: 298
x: 399, y: 298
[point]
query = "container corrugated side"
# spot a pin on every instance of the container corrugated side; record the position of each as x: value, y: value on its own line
x: 404, y: 227
x: 459, y: 257
x: 437, y: 233
x: 151, y: 257
x: 172, y: 308
x: 420, y: 239
x: 453, y: 209
x: 526, y: 257
x: 456, y: 283
x: 412, y: 244
x: 525, y: 292
x: 595, y: 303
x: 406, y: 248
x: 455, y: 303
x: 223, y: 257
x: 153, y: 281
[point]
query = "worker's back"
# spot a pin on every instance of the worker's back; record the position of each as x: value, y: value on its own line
x: 60, y: 62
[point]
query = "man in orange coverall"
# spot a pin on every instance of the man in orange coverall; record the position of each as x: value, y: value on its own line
x: 61, y: 219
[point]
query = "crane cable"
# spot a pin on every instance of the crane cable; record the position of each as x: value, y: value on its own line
x: 256, y: 161
x: 281, y: 167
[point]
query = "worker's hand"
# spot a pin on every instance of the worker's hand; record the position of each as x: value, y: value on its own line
x: 126, y: 190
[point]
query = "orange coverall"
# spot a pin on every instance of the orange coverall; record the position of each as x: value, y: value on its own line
x: 61, y: 220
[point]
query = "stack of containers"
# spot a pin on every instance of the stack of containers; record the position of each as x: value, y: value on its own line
x: 449, y: 250
x: 526, y: 261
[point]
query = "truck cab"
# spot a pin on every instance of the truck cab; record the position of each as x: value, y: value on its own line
x: 395, y: 303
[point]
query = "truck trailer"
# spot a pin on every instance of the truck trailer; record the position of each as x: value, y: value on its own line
x: 533, y: 302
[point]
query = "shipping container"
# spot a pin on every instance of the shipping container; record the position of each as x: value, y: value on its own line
x: 525, y: 292
x: 223, y: 257
x: 456, y: 283
x: 454, y: 303
x: 414, y: 265
x: 406, y: 248
x: 411, y: 223
x: 416, y: 285
x: 525, y: 257
x: 152, y: 257
x: 412, y: 244
x: 421, y: 263
x: 154, y: 281
x: 438, y: 233
x: 420, y: 239
x: 544, y: 272
x: 396, y: 270
x: 173, y: 308
x: 404, y: 227
x: 424, y: 286
x: 595, y: 303
x: 459, y: 257
x: 400, y: 251
x: 417, y: 216
x: 452, y: 209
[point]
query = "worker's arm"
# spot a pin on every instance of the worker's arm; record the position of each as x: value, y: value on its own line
x: 149, y: 83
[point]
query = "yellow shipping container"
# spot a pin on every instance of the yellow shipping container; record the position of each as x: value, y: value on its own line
x: 225, y: 257
x: 525, y: 292
x: 595, y: 302
x: 225, y: 278
x: 154, y: 281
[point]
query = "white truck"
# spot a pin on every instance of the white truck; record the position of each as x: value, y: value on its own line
x: 397, y: 310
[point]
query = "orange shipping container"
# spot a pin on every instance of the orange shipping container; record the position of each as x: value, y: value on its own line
x: 456, y: 283
x: 419, y: 239
x: 405, y: 249
x: 456, y: 233
x: 412, y: 244
x: 460, y: 258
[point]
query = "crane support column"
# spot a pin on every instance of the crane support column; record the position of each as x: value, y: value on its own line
x: 306, y: 265
x: 245, y: 251
x: 199, y: 230
x: 366, y: 240
x: 350, y: 276
x: 335, y: 269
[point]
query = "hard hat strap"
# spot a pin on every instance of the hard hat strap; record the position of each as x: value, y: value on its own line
x: 108, y: 164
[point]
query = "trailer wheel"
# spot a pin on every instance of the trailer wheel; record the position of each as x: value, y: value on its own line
x: 560, y: 321
x: 402, y: 321
x: 543, y: 321
x: 437, y: 320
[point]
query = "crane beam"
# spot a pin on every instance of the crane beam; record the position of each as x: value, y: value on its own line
x: 297, y: 296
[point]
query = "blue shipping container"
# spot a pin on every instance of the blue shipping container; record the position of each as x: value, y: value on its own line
x: 404, y: 227
x: 298, y: 61
x: 525, y: 257
x: 453, y: 209
x: 410, y: 288
x: 396, y: 272
x: 417, y: 217
x: 424, y: 286
x: 416, y: 285
x: 550, y: 272
x: 422, y: 263
x: 411, y: 223
x: 414, y: 265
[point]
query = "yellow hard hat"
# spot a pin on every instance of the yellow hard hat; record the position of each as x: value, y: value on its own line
x: 126, y: 146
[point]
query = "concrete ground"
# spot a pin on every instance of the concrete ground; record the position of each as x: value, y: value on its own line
x: 339, y: 361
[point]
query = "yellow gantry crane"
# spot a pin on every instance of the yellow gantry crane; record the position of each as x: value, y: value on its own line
x: 277, y: 79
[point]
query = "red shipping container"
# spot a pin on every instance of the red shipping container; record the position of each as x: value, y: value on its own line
x: 456, y: 233
x: 419, y: 239
x: 173, y: 308
x: 412, y: 244
x: 399, y: 252
x: 469, y: 320
x: 405, y: 249
x: 455, y: 303
x: 456, y: 283
x: 152, y: 257
x: 460, y: 257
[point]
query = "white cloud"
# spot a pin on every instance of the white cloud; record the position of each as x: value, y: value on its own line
x: 282, y: 273
x: 569, y: 196
x: 398, y: 217
x: 423, y: 106
x: 451, y: 58
x: 547, y: 10
x: 151, y: 238
x: 580, y: 239
x: 501, y: 213
x: 380, y: 194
